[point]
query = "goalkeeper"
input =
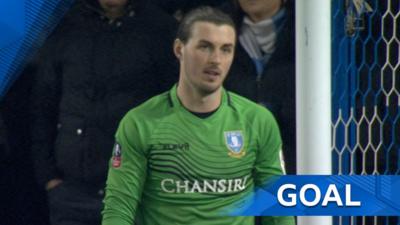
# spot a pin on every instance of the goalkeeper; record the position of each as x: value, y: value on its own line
x: 185, y: 156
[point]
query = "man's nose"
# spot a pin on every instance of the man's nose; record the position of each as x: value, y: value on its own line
x: 215, y: 57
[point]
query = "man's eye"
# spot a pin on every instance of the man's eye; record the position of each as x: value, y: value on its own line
x: 204, y: 46
x: 226, y: 50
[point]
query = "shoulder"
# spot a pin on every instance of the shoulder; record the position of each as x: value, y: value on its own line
x: 257, y: 119
x: 139, y: 123
x: 151, y: 110
x: 250, y: 109
x: 245, y: 105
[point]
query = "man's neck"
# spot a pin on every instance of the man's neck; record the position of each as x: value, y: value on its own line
x: 197, y: 102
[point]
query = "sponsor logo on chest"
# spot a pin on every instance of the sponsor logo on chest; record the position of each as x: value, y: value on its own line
x: 205, y: 186
x: 170, y: 146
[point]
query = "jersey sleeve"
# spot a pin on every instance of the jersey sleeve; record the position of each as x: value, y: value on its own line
x: 126, y: 176
x: 269, y: 162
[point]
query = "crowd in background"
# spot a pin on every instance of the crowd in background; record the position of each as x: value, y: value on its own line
x: 58, y: 120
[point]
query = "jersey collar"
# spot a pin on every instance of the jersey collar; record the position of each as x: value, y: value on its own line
x: 175, y: 102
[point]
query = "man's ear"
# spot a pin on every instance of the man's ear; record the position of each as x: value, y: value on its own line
x: 178, y: 48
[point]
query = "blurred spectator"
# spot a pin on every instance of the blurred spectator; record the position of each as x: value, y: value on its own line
x: 179, y: 7
x: 264, y: 66
x: 107, y: 57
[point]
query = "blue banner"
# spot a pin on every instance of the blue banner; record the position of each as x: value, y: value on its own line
x: 336, y: 195
x: 24, y: 25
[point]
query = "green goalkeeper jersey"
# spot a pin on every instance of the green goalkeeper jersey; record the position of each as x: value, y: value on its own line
x: 170, y: 166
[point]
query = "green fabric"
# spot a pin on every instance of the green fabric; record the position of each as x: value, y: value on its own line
x: 177, y: 168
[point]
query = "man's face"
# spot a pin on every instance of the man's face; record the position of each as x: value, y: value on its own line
x: 206, y: 57
x: 260, y: 8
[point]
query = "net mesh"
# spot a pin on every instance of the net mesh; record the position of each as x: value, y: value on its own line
x: 366, y: 92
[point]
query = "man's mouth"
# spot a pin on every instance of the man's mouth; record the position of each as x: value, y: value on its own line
x: 212, y: 72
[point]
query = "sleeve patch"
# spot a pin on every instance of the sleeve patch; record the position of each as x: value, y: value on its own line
x: 117, y: 156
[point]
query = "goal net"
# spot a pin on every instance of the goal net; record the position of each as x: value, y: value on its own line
x: 366, y: 92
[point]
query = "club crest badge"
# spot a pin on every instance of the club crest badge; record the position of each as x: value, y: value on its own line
x: 235, y: 143
x: 117, y: 154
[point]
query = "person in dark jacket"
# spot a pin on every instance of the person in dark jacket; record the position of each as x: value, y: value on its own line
x: 179, y: 8
x: 105, y: 58
x: 264, y: 66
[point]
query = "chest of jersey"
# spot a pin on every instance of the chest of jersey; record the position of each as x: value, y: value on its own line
x: 200, y: 158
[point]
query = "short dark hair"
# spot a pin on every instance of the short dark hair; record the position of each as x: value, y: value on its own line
x: 202, y: 14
